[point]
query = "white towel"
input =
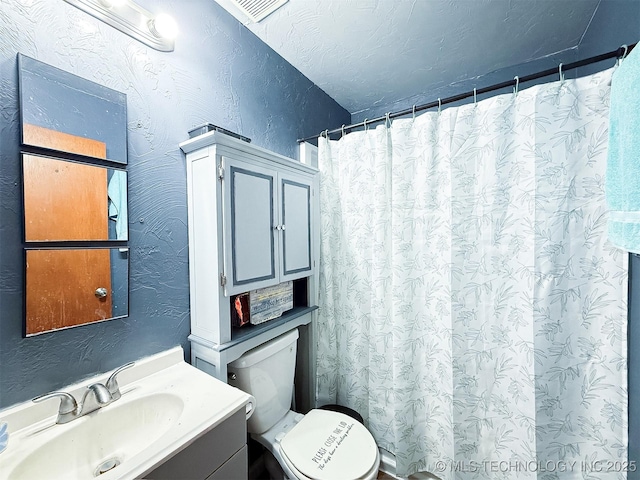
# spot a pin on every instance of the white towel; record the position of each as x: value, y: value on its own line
x: 623, y: 164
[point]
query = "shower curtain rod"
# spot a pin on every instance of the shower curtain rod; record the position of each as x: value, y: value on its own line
x: 620, y: 52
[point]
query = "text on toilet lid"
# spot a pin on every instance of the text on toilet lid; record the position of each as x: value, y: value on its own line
x: 331, y: 444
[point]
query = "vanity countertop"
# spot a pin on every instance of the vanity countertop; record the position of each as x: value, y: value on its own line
x: 166, y: 405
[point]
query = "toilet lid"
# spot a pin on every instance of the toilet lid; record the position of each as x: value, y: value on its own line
x: 327, y: 445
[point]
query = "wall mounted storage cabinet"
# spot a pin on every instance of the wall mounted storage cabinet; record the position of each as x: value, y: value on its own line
x: 251, y: 225
x: 267, y: 225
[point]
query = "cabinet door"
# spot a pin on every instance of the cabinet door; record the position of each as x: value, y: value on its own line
x: 295, y: 219
x: 251, y: 251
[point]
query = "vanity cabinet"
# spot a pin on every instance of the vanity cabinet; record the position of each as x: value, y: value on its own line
x: 252, y: 216
x: 220, y: 454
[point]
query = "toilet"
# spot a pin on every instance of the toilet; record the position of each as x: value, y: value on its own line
x: 321, y: 445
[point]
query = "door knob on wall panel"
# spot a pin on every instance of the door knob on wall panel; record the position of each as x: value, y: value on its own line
x: 101, y: 292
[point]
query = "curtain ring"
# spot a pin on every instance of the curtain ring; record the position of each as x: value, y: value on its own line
x: 560, y: 72
x: 439, y: 105
x: 620, y: 59
x: 475, y: 98
x: 414, y: 112
x: 343, y: 129
x: 515, y: 88
x: 387, y: 121
x: 326, y: 134
x: 365, y: 124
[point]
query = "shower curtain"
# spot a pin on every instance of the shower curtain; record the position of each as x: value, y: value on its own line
x: 471, y: 308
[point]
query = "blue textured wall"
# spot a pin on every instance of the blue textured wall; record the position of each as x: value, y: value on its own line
x: 219, y: 73
x: 433, y: 92
x: 615, y: 22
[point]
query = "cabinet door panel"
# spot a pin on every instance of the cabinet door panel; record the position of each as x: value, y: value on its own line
x: 250, y: 248
x: 295, y: 207
x: 208, y: 453
x: 236, y: 468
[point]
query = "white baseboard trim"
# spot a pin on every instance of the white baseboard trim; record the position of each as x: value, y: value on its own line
x: 388, y: 466
x: 388, y: 463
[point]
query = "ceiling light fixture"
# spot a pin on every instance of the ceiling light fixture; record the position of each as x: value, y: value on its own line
x: 163, y: 26
x: 157, y: 31
x: 112, y: 3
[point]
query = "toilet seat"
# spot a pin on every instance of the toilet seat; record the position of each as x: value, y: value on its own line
x: 326, y: 445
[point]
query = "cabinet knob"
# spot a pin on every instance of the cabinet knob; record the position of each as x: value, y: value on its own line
x: 101, y: 292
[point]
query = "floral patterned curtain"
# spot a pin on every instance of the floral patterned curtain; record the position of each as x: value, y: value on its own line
x: 471, y: 308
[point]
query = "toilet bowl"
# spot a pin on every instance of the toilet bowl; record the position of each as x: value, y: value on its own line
x: 321, y: 445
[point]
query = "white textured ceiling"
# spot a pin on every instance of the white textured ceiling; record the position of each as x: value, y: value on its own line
x: 374, y: 52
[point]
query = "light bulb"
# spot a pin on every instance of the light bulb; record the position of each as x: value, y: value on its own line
x: 163, y: 26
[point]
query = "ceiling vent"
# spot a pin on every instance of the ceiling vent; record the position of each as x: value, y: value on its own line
x: 251, y: 11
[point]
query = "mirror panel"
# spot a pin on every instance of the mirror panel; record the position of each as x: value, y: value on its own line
x: 71, y: 201
x: 69, y: 287
x: 61, y: 111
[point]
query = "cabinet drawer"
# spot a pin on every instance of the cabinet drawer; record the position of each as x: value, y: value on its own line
x: 206, y: 454
x: 236, y: 468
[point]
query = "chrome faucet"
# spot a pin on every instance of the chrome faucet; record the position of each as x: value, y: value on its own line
x: 112, y: 382
x: 96, y: 396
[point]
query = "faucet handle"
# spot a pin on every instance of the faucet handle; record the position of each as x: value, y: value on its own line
x: 68, y: 404
x: 112, y: 382
x: 101, y: 395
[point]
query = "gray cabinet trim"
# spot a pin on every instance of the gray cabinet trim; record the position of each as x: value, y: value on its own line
x: 284, y: 221
x: 243, y: 171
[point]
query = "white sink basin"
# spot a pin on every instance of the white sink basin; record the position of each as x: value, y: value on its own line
x: 161, y: 410
x: 116, y: 432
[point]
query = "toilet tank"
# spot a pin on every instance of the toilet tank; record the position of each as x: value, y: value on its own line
x: 266, y: 372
